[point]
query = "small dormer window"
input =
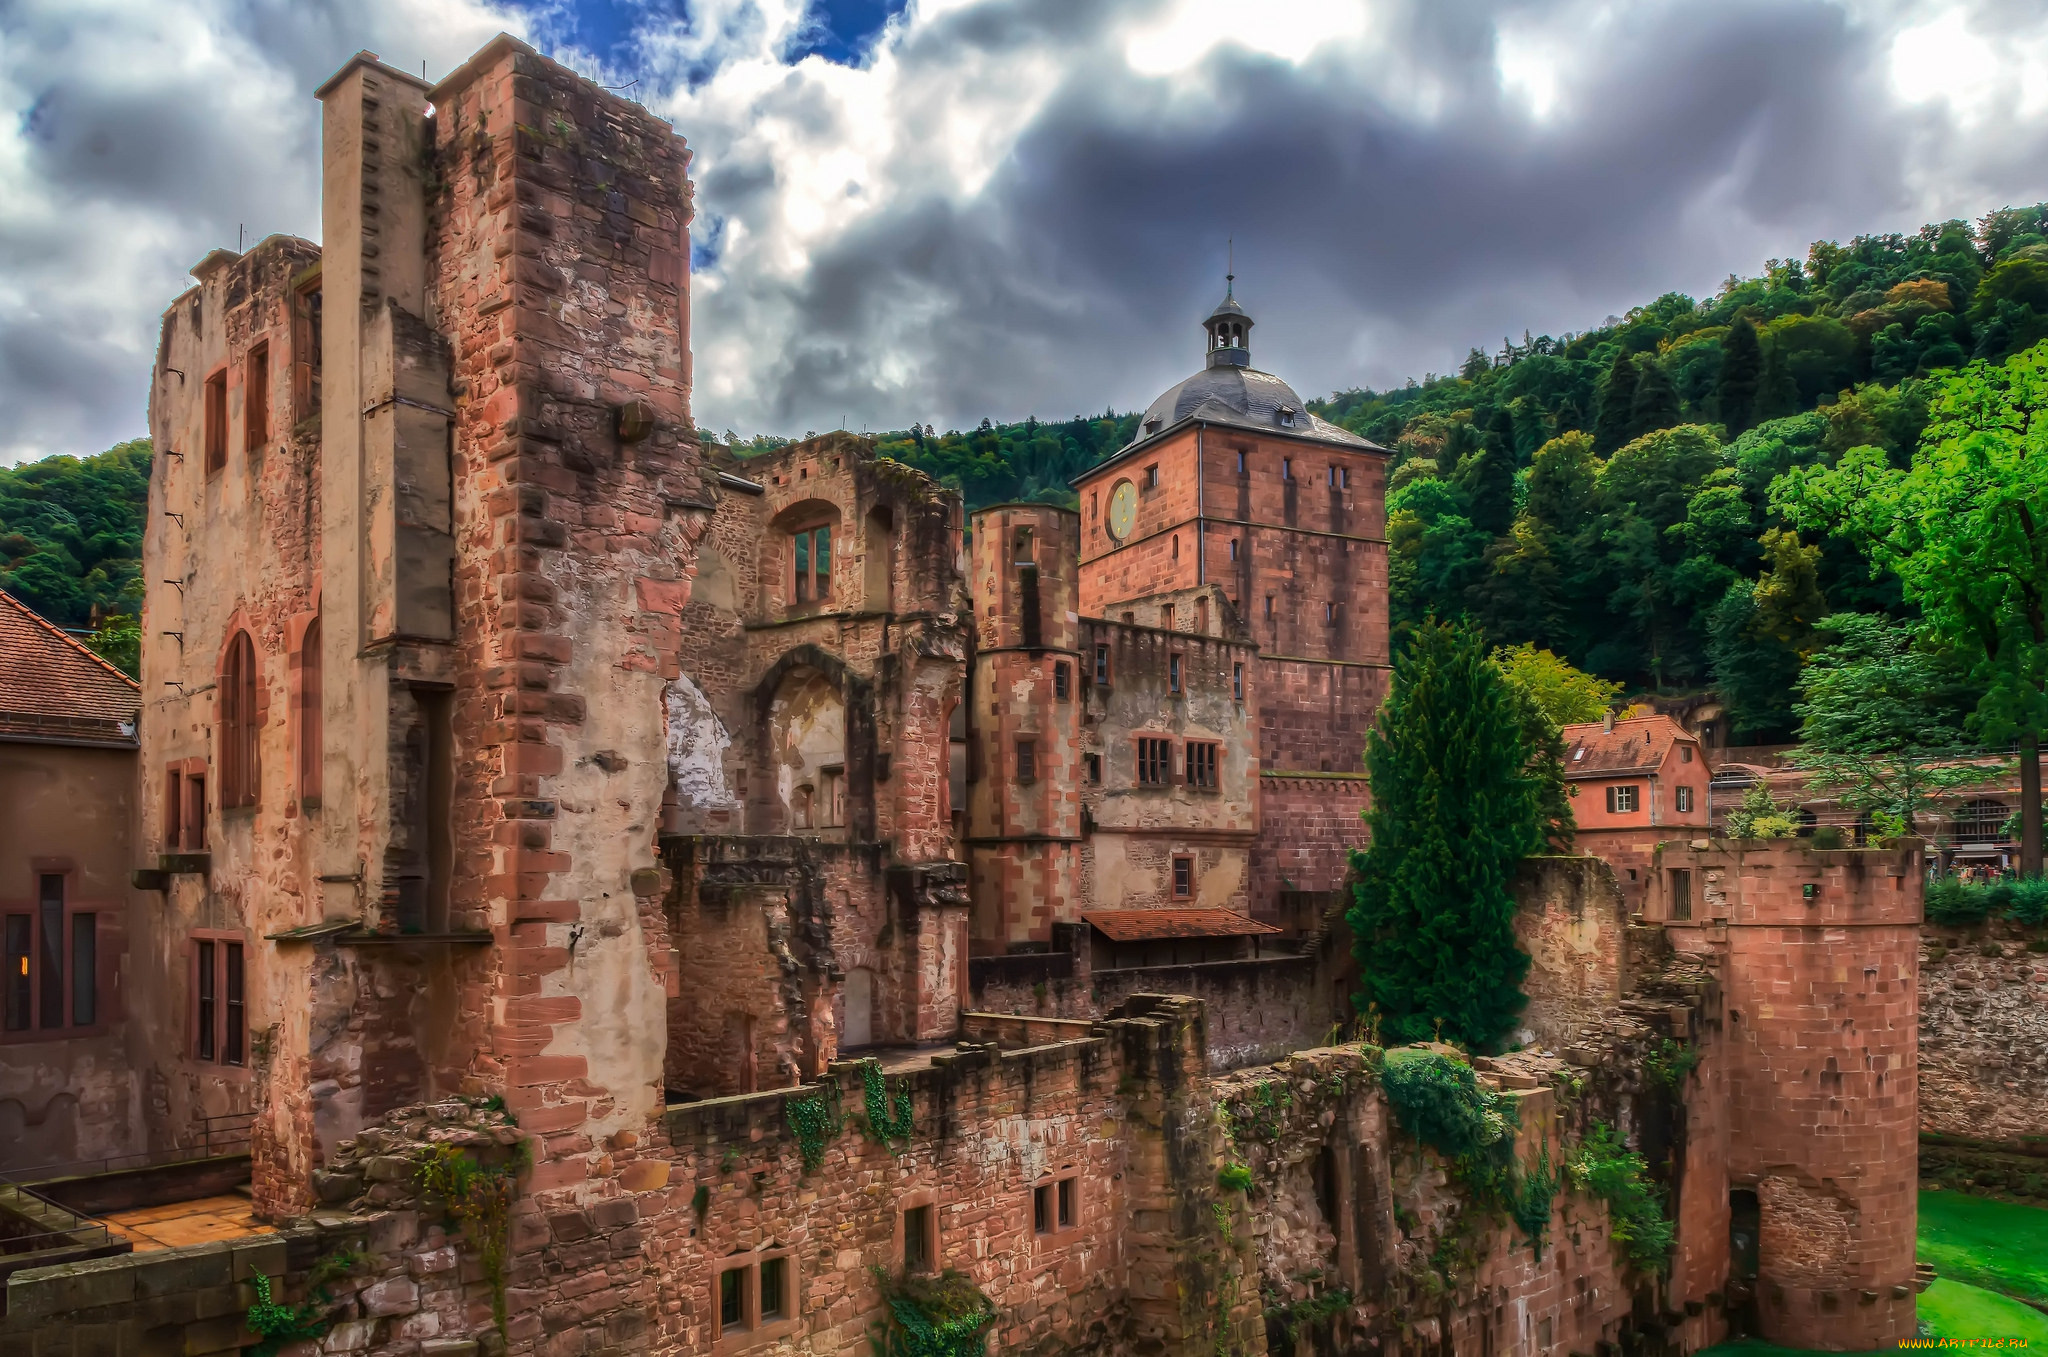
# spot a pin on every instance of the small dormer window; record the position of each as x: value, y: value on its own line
x: 1578, y: 753
x: 1286, y: 416
x: 1152, y: 426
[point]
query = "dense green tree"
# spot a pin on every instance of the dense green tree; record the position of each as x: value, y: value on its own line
x: 1656, y: 400
x: 1881, y: 722
x: 71, y: 533
x: 1616, y: 423
x: 1965, y: 528
x: 1568, y: 696
x: 1742, y: 370
x: 1454, y: 812
x: 1777, y: 394
x: 1489, y: 478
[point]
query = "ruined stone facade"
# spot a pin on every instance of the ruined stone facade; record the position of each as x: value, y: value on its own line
x: 653, y: 833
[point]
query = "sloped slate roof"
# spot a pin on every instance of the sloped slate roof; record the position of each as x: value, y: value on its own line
x: 53, y: 688
x: 1146, y: 925
x: 1637, y: 745
x: 1245, y: 397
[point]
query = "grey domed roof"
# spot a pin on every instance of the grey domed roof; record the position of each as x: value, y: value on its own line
x: 1245, y: 397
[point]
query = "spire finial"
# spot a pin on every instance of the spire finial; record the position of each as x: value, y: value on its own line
x: 1230, y: 267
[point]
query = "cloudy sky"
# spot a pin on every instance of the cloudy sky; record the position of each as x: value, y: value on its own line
x: 954, y: 208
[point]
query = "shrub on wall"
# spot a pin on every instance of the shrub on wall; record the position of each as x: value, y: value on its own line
x: 1441, y: 1102
x: 1605, y: 1167
x: 1454, y: 812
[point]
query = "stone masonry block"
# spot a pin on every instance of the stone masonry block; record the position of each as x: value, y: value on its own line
x: 36, y: 1292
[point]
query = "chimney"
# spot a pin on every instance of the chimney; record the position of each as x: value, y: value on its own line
x: 1607, y: 721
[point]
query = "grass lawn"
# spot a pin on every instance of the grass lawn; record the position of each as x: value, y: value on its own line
x: 1993, y: 1244
x: 1958, y: 1310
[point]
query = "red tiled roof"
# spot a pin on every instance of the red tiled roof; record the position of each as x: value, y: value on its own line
x: 52, y: 687
x: 1144, y: 925
x: 1637, y: 745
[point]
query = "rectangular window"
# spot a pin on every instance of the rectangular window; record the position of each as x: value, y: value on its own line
x: 732, y: 1299
x: 920, y: 1239
x: 1286, y: 468
x: 1684, y: 799
x: 1240, y: 461
x: 214, y: 417
x: 1092, y: 765
x: 1094, y: 502
x: 1042, y: 1208
x: 203, y: 1017
x: 1344, y: 478
x: 174, y: 806
x: 256, y: 399
x: 1155, y: 761
x: 1685, y: 753
x: 1202, y: 616
x: 1621, y: 800
x: 1183, y: 878
x: 1066, y: 1215
x: 1173, y: 673
x: 1062, y: 680
x: 231, y: 996
x: 194, y: 827
x: 1053, y: 1205
x: 1166, y: 617
x: 1329, y: 614
x: 1237, y: 681
x: 1681, y: 893
x: 1333, y: 478
x: 306, y: 352
x: 1269, y: 607
x: 50, y: 955
x: 774, y: 1289
x: 85, y: 960
x: 1201, y: 765
x: 1102, y: 665
x: 20, y: 932
x: 1027, y: 760
x: 1152, y: 476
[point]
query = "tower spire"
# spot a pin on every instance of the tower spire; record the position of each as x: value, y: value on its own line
x: 1230, y: 267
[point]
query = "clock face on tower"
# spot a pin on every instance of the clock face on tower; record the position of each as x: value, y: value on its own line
x: 1123, y: 510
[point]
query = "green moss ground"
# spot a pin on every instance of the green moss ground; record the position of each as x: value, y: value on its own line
x: 1998, y: 1245
x: 1950, y: 1309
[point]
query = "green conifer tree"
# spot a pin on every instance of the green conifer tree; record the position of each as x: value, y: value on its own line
x: 1656, y: 404
x: 1454, y: 811
x: 1617, y: 397
x: 1489, y: 476
x: 1742, y: 365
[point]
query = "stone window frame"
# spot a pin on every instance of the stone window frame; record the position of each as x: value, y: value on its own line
x: 1054, y: 1232
x: 304, y: 680
x: 751, y: 1331
x: 1176, y: 678
x: 1102, y: 664
x: 222, y: 1019
x: 1183, y: 884
x: 1154, y: 754
x: 1062, y: 681
x: 1091, y: 767
x: 1237, y: 681
x: 106, y: 935
x: 241, y: 697
x: 806, y: 523
x: 1026, y: 767
x: 185, y: 798
x: 1209, y: 762
x: 256, y: 396
x: 926, y: 1199
x: 1151, y: 478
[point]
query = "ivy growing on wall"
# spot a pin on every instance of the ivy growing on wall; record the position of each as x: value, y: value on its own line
x: 478, y: 1197
x: 942, y: 1316
x: 1441, y: 1102
x: 278, y: 1324
x: 1604, y: 1166
x: 814, y: 1117
x: 1669, y: 1064
x: 888, y: 1119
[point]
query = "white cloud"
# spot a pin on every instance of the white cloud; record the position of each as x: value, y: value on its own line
x: 1016, y: 206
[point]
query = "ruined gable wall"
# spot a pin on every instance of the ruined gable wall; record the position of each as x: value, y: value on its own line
x: 559, y: 267
x: 230, y: 548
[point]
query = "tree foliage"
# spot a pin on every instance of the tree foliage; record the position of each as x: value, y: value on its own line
x: 1568, y: 696
x: 71, y: 533
x: 1454, y: 811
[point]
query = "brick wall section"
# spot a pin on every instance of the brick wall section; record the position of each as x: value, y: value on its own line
x: 1308, y: 825
x: 1821, y: 1016
x: 1984, y: 1032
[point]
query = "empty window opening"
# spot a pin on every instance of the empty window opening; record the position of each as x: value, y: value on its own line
x: 1233, y: 548
x: 1240, y: 462
x: 1183, y: 877
x: 1286, y: 468
x: 1102, y: 665
x: 1053, y: 1205
x: 1062, y: 680
x: 256, y: 399
x: 1176, y: 546
x: 1324, y: 1172
x: 1166, y: 617
x: 1173, y: 673
x: 1027, y: 760
x: 879, y: 563
x: 1028, y: 605
x: 1745, y: 1230
x: 306, y: 352
x: 1155, y: 761
x: 437, y: 715
x: 1237, y: 681
x: 1152, y: 476
x: 1091, y: 764
x: 920, y: 1238
x: 1269, y: 607
x: 1202, y: 615
x: 1201, y: 763
x: 811, y: 552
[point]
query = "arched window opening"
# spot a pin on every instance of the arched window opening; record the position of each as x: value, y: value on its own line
x: 238, y: 772
x: 307, y: 712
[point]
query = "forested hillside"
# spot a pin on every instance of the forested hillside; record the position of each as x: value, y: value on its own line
x: 1604, y: 495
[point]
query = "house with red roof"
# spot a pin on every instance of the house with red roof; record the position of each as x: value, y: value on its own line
x: 67, y: 786
x: 1635, y: 783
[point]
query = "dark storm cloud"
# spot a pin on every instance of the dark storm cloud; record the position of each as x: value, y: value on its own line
x: 1374, y: 242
